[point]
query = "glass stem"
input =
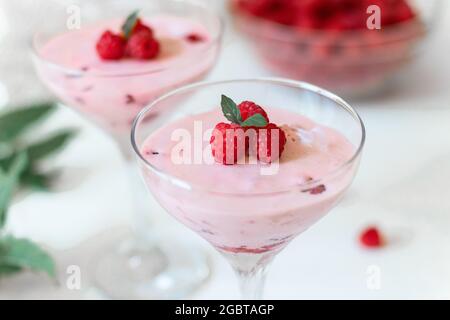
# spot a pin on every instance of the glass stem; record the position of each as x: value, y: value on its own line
x: 252, y: 283
x: 251, y: 270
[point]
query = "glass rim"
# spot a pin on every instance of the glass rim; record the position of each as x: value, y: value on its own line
x: 270, y: 80
x: 215, y: 40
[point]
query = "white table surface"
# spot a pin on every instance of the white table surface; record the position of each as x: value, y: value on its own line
x: 403, y: 186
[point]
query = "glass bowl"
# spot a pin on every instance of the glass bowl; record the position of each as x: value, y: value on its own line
x: 351, y: 62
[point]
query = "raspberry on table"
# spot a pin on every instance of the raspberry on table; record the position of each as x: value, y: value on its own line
x: 227, y: 143
x: 371, y: 237
x: 111, y: 46
x: 248, y: 109
x: 142, y: 45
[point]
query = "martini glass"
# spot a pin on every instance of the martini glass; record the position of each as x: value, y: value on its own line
x: 249, y: 228
x: 136, y: 266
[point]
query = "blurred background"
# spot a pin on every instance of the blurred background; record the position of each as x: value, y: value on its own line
x: 399, y: 85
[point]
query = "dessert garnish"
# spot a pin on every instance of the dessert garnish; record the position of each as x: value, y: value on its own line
x: 111, y: 46
x: 231, y: 137
x: 371, y: 237
x: 135, y: 41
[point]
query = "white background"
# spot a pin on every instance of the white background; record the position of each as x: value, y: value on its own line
x: 403, y: 186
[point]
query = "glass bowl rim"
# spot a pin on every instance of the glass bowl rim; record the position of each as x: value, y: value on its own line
x: 269, y: 80
x: 215, y: 41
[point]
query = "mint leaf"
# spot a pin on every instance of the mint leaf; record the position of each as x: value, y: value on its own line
x: 129, y: 24
x: 37, y: 181
x: 50, y: 145
x: 23, y: 253
x: 8, y: 183
x: 7, y: 270
x: 256, y: 120
x: 30, y: 177
x: 230, y: 110
x: 13, y: 123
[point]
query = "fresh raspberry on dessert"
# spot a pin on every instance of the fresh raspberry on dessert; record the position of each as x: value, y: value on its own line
x: 249, y: 109
x: 265, y: 143
x: 227, y: 143
x: 111, y: 46
x: 194, y: 38
x: 403, y: 12
x: 371, y: 238
x: 139, y: 27
x: 143, y: 46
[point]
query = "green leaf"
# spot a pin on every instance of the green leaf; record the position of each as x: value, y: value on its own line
x: 37, y: 181
x: 14, y: 122
x: 256, y: 120
x: 230, y: 110
x: 8, y: 184
x: 7, y: 270
x: 129, y: 24
x: 50, y: 145
x: 23, y: 253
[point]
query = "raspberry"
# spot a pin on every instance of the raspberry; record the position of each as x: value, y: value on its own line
x: 227, y: 138
x: 111, y: 46
x: 256, y: 7
x: 142, y: 45
x: 403, y: 12
x: 264, y: 144
x: 248, y: 109
x: 141, y: 27
x: 371, y: 238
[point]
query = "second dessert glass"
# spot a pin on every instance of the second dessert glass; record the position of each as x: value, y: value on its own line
x: 110, y: 94
x: 248, y: 227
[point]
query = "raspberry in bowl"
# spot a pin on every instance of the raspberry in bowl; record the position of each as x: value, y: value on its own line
x: 337, y: 44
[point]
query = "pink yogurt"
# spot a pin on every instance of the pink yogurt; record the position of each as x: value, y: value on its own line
x: 236, y: 208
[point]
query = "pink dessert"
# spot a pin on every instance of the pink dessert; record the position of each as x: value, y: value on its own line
x: 236, y: 207
x: 111, y: 92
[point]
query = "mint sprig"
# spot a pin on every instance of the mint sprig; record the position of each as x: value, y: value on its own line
x: 231, y: 111
x: 13, y: 123
x: 19, y: 167
x: 18, y: 254
x: 9, y: 182
x: 130, y: 23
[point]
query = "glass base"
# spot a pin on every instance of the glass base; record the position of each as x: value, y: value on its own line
x: 124, y: 268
